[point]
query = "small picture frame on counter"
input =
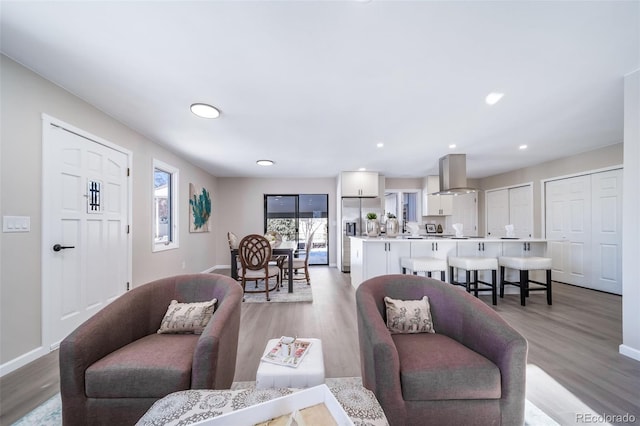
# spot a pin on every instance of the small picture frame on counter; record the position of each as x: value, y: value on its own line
x: 431, y: 228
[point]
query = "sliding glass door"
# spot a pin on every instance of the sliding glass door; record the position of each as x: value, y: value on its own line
x: 295, y: 217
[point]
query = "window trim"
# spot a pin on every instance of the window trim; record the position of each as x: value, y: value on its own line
x: 173, y: 243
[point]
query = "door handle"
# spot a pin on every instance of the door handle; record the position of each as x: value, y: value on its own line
x: 58, y: 247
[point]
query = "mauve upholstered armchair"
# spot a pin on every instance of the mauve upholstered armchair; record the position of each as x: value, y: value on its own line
x: 470, y: 372
x: 115, y: 366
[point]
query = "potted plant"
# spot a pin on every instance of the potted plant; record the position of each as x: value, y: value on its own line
x: 373, y: 226
x: 392, y: 226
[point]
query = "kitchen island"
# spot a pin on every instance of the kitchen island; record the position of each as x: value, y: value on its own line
x: 371, y: 257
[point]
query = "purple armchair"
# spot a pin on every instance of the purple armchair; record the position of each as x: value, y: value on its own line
x: 115, y: 366
x: 470, y: 372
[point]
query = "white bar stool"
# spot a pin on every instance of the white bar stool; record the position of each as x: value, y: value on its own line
x: 524, y: 265
x: 424, y: 264
x: 473, y: 264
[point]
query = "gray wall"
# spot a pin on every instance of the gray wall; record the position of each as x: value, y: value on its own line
x: 24, y: 97
x: 242, y: 208
x: 593, y: 160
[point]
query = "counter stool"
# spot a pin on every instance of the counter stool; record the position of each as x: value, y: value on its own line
x: 424, y: 264
x: 473, y: 265
x: 524, y: 265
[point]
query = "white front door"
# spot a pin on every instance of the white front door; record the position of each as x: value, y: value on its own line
x: 86, y: 241
x: 607, y: 231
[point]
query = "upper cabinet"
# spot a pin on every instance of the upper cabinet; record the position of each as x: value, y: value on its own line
x: 359, y: 184
x: 435, y: 205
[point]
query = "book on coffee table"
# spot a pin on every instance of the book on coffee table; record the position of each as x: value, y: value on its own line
x: 287, y: 354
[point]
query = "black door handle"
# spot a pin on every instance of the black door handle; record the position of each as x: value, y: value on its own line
x: 58, y: 247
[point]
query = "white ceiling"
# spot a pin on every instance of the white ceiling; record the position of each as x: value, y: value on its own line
x: 314, y: 85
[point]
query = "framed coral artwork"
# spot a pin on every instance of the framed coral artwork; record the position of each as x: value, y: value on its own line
x: 199, y: 209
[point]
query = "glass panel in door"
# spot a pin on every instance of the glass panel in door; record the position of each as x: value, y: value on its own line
x: 281, y: 215
x: 313, y: 217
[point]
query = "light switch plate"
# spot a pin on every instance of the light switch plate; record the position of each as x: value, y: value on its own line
x: 16, y: 223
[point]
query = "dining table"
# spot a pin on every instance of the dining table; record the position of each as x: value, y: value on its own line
x: 280, y: 248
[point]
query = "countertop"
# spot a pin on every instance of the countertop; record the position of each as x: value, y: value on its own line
x: 409, y: 238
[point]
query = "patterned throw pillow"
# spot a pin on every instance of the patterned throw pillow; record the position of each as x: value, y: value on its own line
x: 409, y: 316
x: 187, y: 317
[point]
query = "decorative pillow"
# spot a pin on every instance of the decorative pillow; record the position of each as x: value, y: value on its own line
x: 409, y: 316
x: 187, y: 317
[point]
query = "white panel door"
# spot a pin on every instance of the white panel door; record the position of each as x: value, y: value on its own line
x: 497, y: 212
x: 86, y: 259
x: 521, y: 211
x: 465, y: 211
x: 568, y: 223
x: 607, y: 231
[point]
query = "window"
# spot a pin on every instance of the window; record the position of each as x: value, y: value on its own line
x: 165, y: 206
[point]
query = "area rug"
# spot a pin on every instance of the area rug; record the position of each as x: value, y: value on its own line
x: 49, y: 413
x: 301, y: 293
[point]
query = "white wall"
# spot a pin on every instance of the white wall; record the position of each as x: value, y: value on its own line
x: 630, y: 213
x: 23, y: 99
x: 240, y: 209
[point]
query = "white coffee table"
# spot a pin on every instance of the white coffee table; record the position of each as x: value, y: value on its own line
x: 309, y: 373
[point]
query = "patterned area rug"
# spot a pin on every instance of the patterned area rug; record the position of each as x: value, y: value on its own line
x: 301, y: 293
x: 50, y: 412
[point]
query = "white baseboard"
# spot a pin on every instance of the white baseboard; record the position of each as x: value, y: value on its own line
x: 630, y: 352
x: 22, y: 360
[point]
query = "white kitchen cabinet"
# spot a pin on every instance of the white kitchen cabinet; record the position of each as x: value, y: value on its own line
x: 372, y: 258
x: 435, y: 205
x: 359, y: 184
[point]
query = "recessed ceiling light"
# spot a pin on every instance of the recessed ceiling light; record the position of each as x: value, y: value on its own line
x: 205, y: 111
x: 493, y: 98
x: 522, y: 147
x: 452, y: 146
x: 265, y: 163
x: 379, y: 144
x: 362, y: 169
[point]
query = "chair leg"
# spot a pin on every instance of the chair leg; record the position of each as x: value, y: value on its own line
x: 404, y: 270
x: 524, y: 287
x: 501, y: 282
x: 450, y: 274
x: 548, y: 286
x: 494, y: 298
x: 429, y: 274
x: 442, y: 276
x: 468, y: 276
x: 306, y: 273
x: 474, y: 274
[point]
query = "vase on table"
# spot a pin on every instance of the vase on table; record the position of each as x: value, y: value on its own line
x: 392, y: 227
x: 373, y: 227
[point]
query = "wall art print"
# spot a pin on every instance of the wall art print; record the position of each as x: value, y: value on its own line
x: 199, y: 209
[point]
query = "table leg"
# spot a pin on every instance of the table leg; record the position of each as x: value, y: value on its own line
x: 234, y: 266
x: 290, y: 266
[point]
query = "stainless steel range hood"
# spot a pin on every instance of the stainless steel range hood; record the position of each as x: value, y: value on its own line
x: 453, y: 175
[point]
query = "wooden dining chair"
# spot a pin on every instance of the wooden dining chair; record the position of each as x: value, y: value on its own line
x: 255, y: 253
x: 303, y: 263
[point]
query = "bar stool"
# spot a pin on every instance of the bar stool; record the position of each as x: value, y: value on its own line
x: 524, y: 265
x: 424, y: 264
x: 471, y: 265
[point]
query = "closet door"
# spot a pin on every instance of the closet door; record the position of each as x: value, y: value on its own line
x: 568, y: 227
x: 607, y: 231
x: 497, y: 212
x: 520, y: 211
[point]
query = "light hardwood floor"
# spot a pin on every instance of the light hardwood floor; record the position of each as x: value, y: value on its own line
x: 574, y: 364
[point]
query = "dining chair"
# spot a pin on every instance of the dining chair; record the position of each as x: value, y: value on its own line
x: 299, y: 263
x: 277, y: 260
x: 255, y: 253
